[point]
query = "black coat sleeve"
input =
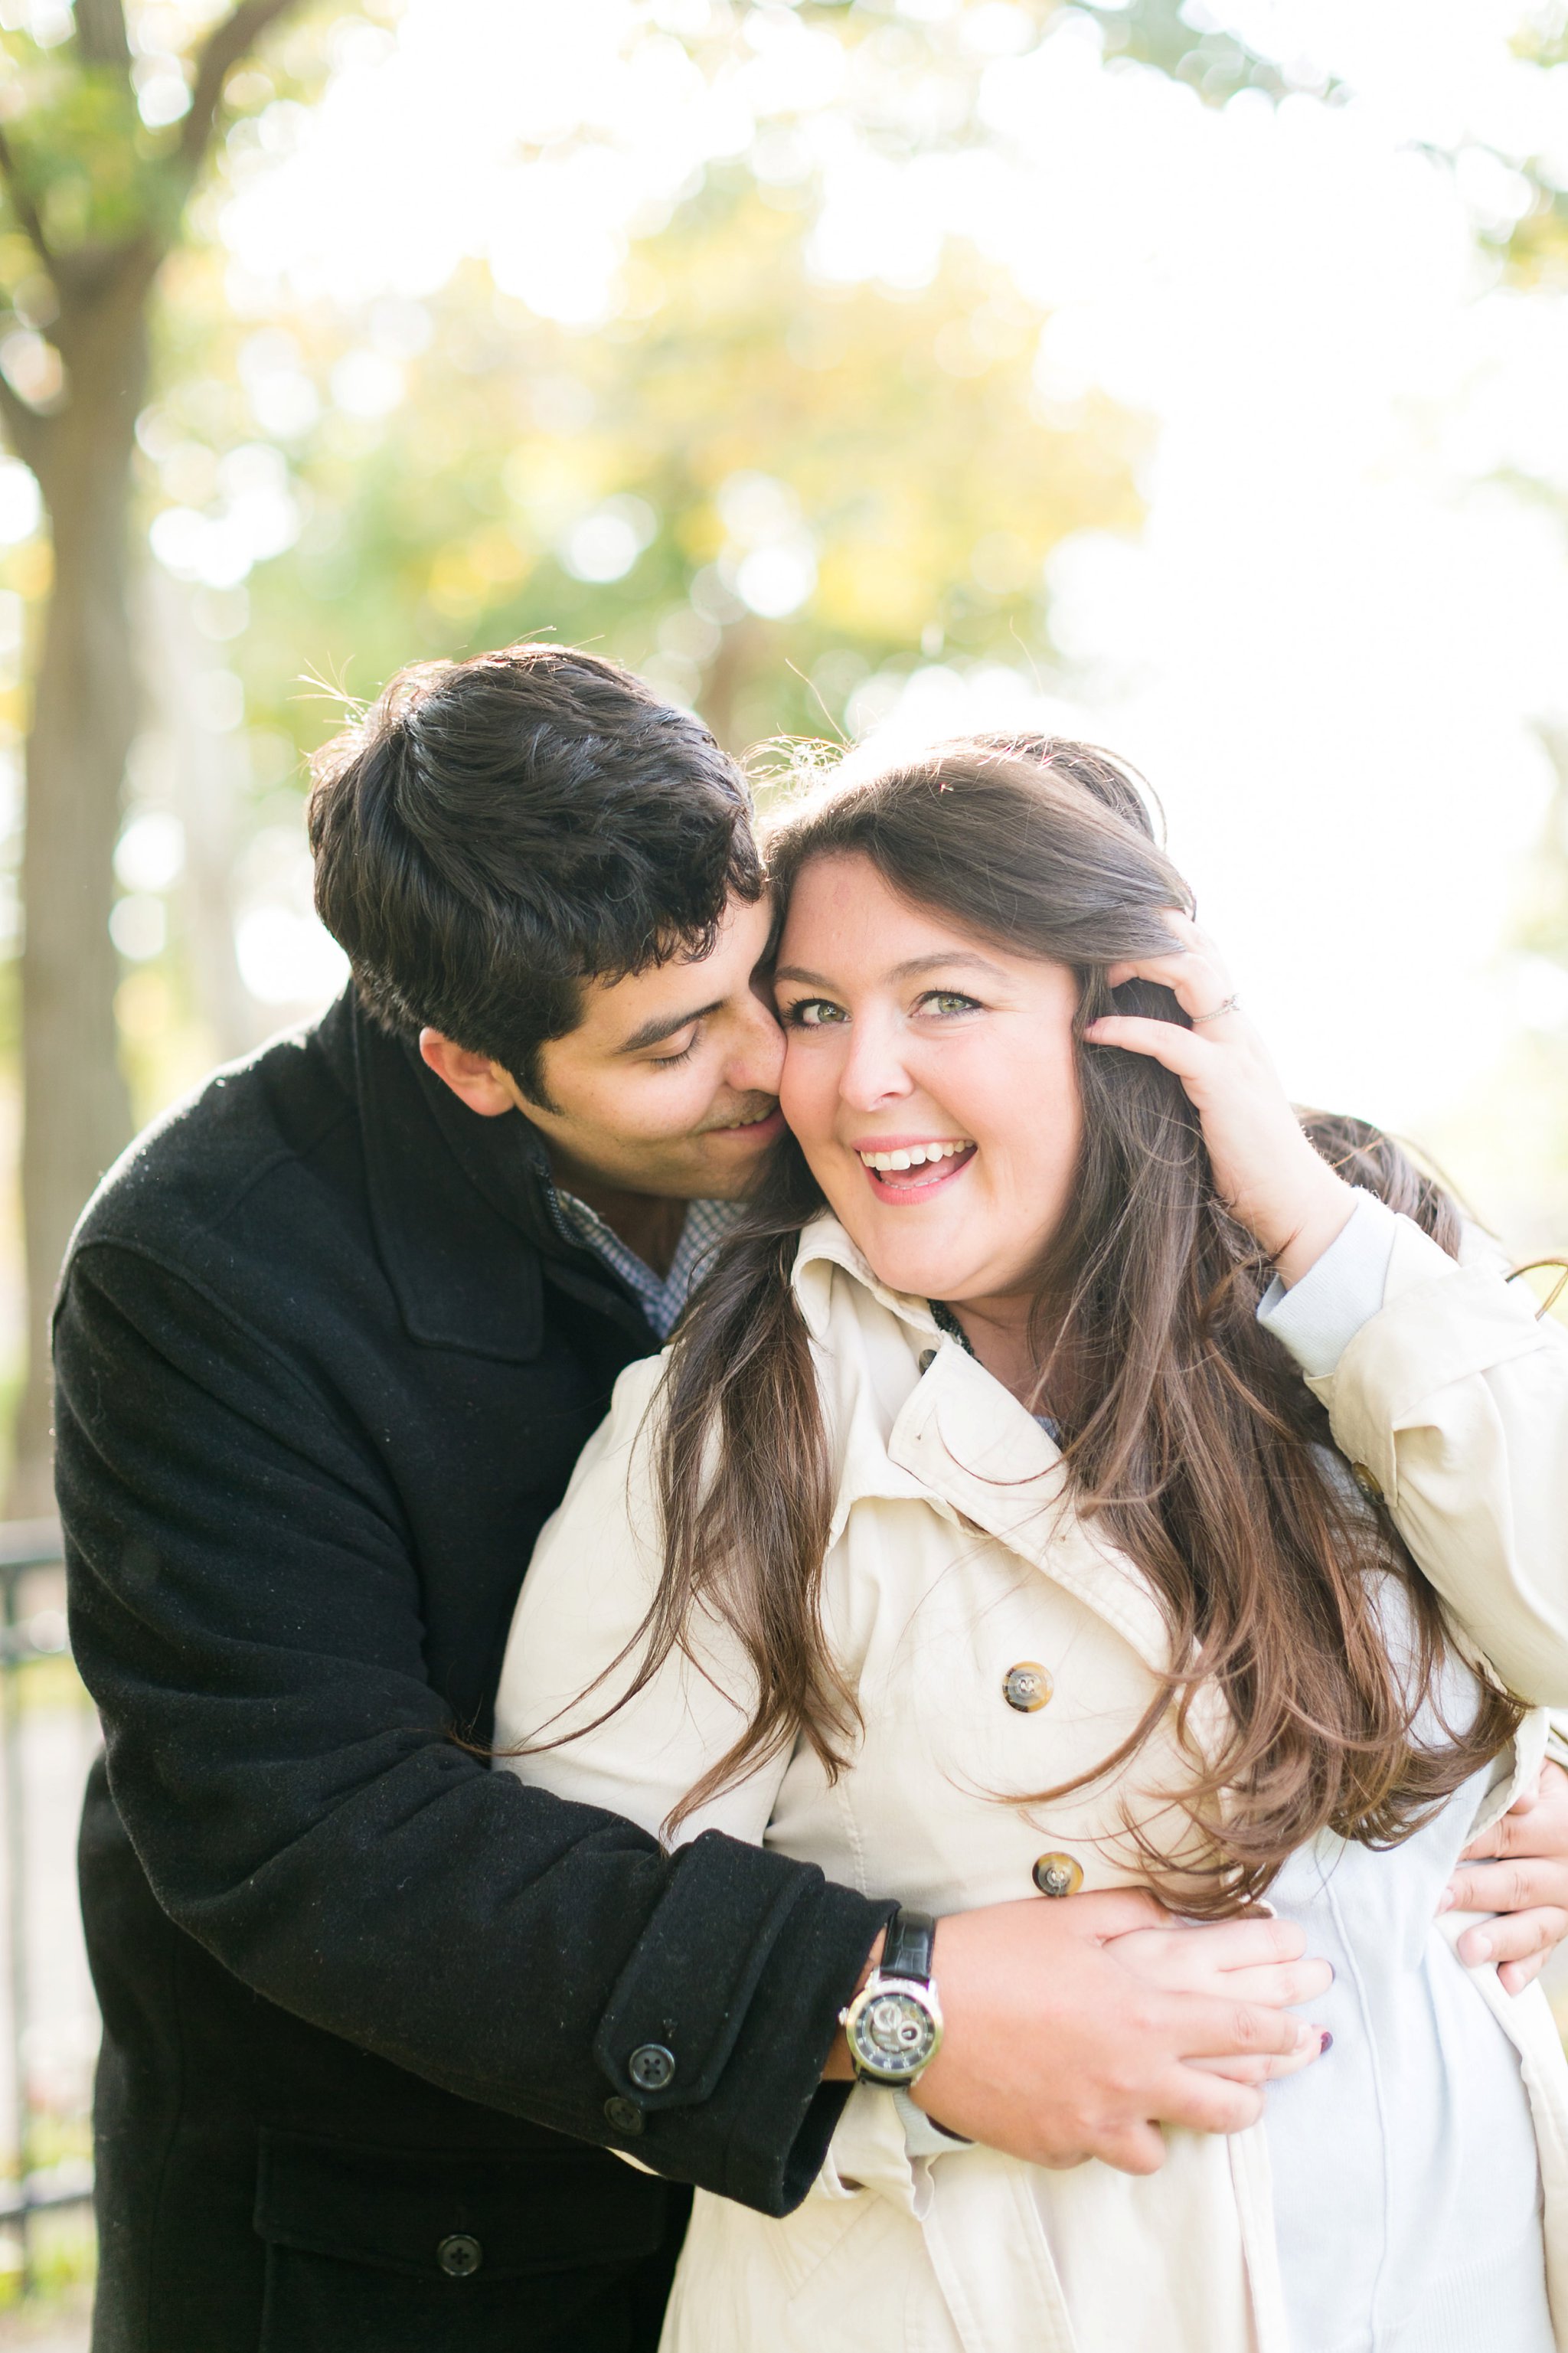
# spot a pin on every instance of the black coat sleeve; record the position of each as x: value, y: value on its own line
x: 245, y: 1612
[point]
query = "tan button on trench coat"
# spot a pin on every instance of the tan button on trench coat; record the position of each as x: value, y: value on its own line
x: 956, y: 1555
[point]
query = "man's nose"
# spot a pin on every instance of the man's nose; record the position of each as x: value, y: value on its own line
x: 756, y: 1062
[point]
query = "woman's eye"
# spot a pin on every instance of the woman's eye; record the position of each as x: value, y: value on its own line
x: 812, y: 1013
x: 950, y: 1000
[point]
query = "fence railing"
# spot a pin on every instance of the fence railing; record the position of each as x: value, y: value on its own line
x: 29, y: 1550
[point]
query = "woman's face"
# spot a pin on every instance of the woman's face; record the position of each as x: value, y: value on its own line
x: 949, y: 1061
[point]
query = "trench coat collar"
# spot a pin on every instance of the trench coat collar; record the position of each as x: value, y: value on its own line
x: 462, y: 1227
x: 824, y: 1245
x: 963, y: 1440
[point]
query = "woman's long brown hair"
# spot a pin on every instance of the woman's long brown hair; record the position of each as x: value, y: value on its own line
x: 1189, y: 1432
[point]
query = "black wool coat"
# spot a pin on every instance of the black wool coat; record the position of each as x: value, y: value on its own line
x: 324, y: 1369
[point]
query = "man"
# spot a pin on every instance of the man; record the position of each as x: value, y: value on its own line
x: 330, y: 1340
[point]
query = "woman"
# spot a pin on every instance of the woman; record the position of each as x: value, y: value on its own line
x: 1002, y: 1546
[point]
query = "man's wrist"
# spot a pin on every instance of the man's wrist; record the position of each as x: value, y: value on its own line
x: 837, y: 2067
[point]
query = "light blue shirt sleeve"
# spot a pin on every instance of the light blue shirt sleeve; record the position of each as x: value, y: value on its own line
x: 1319, y: 1317
x: 922, y: 2136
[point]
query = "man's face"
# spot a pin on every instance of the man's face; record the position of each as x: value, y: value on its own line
x: 668, y: 1084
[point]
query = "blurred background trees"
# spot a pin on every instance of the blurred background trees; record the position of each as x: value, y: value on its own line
x: 97, y: 159
x: 731, y: 336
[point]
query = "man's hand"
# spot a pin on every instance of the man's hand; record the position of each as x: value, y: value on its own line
x: 1519, y: 1870
x: 1075, y: 2028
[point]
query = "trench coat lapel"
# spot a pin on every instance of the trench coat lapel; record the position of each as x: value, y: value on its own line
x: 964, y: 1443
x: 968, y: 1439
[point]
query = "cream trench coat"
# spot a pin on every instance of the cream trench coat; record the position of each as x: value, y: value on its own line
x: 955, y: 1555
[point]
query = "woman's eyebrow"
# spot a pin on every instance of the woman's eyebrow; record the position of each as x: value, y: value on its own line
x: 915, y: 965
x: 910, y: 969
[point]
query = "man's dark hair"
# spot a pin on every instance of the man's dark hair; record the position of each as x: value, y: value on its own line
x: 492, y: 834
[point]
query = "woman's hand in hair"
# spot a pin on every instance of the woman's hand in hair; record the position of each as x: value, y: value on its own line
x: 1266, y: 1173
x: 1517, y: 1870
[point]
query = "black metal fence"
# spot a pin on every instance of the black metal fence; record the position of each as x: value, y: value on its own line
x: 33, y: 1632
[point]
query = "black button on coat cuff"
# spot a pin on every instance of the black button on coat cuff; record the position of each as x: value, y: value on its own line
x: 695, y: 1968
x: 734, y: 1964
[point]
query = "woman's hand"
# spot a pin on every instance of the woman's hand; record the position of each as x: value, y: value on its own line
x: 1076, y: 2026
x: 1256, y: 1959
x: 1520, y: 1870
x: 1268, y: 1174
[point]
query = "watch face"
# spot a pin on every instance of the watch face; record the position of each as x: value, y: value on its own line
x: 893, y: 2033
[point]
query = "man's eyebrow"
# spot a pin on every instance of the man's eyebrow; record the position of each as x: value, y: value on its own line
x: 909, y: 970
x: 665, y: 1024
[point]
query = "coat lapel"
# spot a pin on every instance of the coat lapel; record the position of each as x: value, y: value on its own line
x: 461, y: 1270
x: 959, y: 1440
x: 968, y: 1439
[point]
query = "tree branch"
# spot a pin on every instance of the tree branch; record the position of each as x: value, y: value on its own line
x: 223, y: 48
x: 26, y: 211
x: 100, y: 36
x: 26, y: 430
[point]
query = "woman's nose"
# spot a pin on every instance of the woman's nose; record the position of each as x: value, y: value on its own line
x: 873, y: 1072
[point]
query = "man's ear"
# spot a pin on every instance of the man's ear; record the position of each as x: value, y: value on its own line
x: 474, y: 1079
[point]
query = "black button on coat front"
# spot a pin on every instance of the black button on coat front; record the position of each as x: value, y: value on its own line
x: 324, y: 1370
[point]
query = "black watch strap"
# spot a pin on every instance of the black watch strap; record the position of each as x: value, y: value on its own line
x: 909, y: 1947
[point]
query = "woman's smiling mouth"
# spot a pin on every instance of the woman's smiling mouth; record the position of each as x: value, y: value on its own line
x: 915, y: 1167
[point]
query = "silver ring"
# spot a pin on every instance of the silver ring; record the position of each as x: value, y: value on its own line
x: 1198, y: 1020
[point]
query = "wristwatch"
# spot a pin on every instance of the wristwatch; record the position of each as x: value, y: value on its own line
x: 893, y: 2026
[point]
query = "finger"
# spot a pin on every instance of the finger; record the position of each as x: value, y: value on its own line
x: 1200, y: 1949
x: 1514, y: 1975
x: 1247, y: 1943
x: 1241, y: 2071
x: 1136, y: 2149
x: 1535, y: 1824
x: 1186, y: 939
x: 1489, y: 1843
x: 1211, y: 2103
x: 1113, y: 1912
x: 1266, y: 2071
x: 1516, y: 1936
x: 1283, y: 1985
x: 1181, y: 1050
x: 1195, y: 980
x: 1223, y: 2029
x: 1192, y: 967
x: 1513, y: 1886
x: 1511, y: 1828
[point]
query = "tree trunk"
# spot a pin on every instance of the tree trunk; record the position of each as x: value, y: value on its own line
x: 735, y: 663
x: 76, y: 1115
x: 75, y: 1112
x: 203, y: 774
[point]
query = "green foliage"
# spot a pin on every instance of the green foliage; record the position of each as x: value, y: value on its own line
x: 98, y: 152
x: 83, y: 155
x: 904, y: 434
x: 890, y: 439
x: 1164, y: 34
